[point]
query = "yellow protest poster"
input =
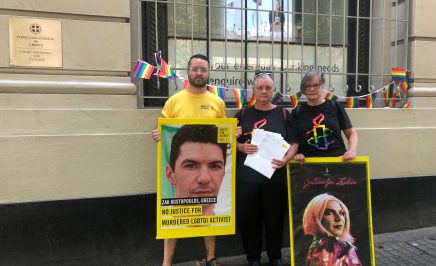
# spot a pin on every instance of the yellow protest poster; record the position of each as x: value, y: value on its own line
x: 196, y: 177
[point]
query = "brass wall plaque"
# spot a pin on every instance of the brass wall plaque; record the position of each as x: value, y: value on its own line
x: 35, y: 42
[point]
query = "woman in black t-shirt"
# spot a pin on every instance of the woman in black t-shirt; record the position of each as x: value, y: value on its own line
x: 320, y: 122
x: 259, y: 200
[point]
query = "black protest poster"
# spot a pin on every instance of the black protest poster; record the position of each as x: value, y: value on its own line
x: 330, y: 212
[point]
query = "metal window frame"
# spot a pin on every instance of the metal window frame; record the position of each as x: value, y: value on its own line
x: 136, y: 18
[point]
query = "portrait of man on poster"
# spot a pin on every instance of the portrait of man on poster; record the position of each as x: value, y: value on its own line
x: 197, y: 164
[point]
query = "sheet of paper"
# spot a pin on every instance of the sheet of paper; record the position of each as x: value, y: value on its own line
x: 277, y: 135
x: 259, y: 134
x: 270, y: 145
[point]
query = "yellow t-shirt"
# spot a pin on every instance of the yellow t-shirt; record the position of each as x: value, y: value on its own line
x: 189, y: 105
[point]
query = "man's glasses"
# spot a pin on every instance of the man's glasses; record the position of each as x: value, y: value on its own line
x: 264, y: 73
x: 199, y: 70
x: 315, y: 86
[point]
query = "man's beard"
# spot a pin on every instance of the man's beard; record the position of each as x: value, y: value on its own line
x: 197, y: 83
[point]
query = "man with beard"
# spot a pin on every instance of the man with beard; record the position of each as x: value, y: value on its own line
x: 193, y: 102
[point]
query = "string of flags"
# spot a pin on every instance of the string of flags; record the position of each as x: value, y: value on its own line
x: 393, y: 93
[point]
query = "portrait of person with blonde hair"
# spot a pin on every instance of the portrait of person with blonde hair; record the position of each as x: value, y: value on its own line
x: 327, y: 219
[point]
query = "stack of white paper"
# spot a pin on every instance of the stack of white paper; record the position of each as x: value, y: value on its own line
x: 270, y: 146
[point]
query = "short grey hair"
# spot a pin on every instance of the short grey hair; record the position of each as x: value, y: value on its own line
x: 310, y: 75
x: 263, y: 76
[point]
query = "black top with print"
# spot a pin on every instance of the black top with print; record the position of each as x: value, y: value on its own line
x: 277, y: 120
x: 319, y: 129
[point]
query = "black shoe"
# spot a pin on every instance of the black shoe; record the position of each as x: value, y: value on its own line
x: 276, y: 263
x: 213, y: 262
x: 254, y: 263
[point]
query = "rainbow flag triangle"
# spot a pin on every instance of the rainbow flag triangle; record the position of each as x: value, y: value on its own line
x: 143, y: 70
x: 218, y: 91
x: 369, y: 101
x: 277, y: 97
x: 404, y: 86
x: 331, y: 97
x: 295, y: 99
x: 352, y: 102
x: 240, y: 97
x: 165, y: 71
x: 388, y: 93
x: 252, y: 101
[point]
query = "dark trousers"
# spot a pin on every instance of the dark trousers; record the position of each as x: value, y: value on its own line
x: 261, y: 204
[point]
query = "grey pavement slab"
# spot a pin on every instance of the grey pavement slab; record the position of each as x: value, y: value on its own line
x: 409, y: 248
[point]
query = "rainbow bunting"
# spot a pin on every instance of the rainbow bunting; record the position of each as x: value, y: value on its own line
x: 406, y: 105
x: 397, y: 98
x: 388, y: 93
x: 390, y: 90
x: 165, y: 71
x: 391, y: 103
x: 222, y: 93
x: 331, y: 97
x: 212, y: 89
x: 240, y: 97
x: 369, y: 101
x: 252, y: 101
x: 185, y: 84
x: 399, y: 74
x: 218, y: 91
x: 143, y: 70
x: 404, y: 86
x: 276, y: 98
x: 295, y: 99
x: 352, y: 102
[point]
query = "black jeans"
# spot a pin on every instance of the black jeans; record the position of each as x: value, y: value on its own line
x: 257, y: 205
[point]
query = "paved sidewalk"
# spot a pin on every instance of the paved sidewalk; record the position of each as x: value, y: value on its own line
x: 414, y: 247
x: 408, y: 248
